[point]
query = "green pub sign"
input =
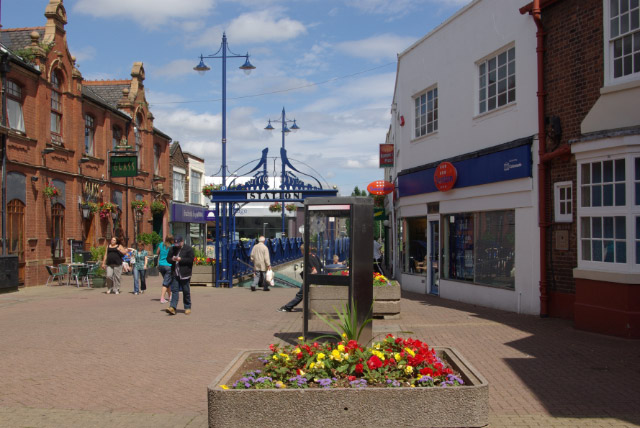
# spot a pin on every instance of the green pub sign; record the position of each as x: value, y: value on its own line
x: 124, y: 166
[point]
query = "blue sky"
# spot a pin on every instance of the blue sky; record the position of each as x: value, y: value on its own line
x: 330, y: 63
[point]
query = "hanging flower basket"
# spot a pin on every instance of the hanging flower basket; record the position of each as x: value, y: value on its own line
x: 275, y: 207
x: 158, y: 207
x: 51, y: 191
x: 208, y: 189
x: 93, y: 207
x: 105, y: 209
x: 291, y: 207
x: 139, y: 205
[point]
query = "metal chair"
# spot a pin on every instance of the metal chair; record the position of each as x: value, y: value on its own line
x: 81, y: 273
x: 54, y: 273
x: 92, y: 273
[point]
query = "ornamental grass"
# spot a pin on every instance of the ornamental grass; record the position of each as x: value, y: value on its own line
x: 391, y: 363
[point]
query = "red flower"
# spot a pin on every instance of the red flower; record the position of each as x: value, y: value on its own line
x: 374, y: 363
x: 351, y: 378
x: 426, y: 371
x: 359, y: 368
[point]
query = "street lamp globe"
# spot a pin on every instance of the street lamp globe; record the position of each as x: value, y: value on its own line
x: 269, y: 127
x: 295, y: 126
x: 247, y: 66
x: 202, y: 67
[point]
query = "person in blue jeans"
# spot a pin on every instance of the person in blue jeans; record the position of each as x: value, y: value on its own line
x: 140, y: 269
x: 164, y: 267
x: 181, y: 257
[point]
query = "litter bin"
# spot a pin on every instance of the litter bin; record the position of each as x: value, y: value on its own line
x: 8, y: 272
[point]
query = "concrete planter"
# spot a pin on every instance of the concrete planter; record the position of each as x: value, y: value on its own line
x: 464, y: 406
x: 203, y: 275
x: 386, y: 300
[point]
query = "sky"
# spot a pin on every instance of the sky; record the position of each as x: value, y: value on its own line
x: 331, y: 64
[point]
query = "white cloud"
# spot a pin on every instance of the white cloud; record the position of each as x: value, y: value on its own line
x: 383, y: 47
x: 84, y: 54
x: 175, y: 68
x: 148, y: 13
x: 263, y: 27
x: 399, y: 7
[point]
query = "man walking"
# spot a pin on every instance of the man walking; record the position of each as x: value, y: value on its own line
x: 261, y: 263
x: 181, y: 258
x: 315, y: 267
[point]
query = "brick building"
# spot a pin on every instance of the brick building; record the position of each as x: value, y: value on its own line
x: 591, y: 126
x: 60, y: 131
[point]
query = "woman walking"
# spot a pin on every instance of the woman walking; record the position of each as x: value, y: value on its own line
x: 112, y: 262
x: 164, y: 267
x: 140, y: 269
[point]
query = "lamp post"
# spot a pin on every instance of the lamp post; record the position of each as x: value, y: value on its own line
x: 223, y: 53
x: 285, y: 130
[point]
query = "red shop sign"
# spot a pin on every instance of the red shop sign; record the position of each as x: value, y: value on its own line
x: 445, y: 176
x: 380, y: 187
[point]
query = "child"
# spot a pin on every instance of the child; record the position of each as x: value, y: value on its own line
x: 139, y: 266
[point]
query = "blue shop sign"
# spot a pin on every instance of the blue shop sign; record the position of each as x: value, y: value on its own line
x: 509, y: 164
x: 181, y: 213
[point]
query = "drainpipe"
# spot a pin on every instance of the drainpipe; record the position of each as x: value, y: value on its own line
x: 543, y: 224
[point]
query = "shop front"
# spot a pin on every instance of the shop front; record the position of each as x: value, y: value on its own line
x: 467, y: 228
x: 189, y: 222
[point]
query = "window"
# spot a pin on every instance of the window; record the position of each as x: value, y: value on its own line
x: 14, y: 106
x: 56, y: 110
x: 414, y: 242
x: 15, y: 228
x: 609, y: 213
x: 89, y: 132
x: 480, y: 248
x: 497, y: 81
x: 426, y: 113
x: 624, y: 37
x: 138, y: 136
x: 195, y: 187
x: 563, y: 202
x: 57, y: 216
x: 116, y: 136
x: 156, y: 159
x: 178, y: 187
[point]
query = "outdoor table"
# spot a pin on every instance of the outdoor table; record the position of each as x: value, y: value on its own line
x: 73, y: 270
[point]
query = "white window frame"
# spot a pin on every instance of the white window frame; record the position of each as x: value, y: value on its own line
x: 566, y: 202
x: 195, y: 195
x: 608, y: 42
x: 178, y: 186
x: 630, y: 211
x: 484, y: 89
x: 89, y: 134
x: 417, y: 116
x: 15, y: 115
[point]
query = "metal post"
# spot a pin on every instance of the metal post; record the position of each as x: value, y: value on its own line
x: 284, y: 124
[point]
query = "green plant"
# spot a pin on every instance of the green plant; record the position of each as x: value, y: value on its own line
x: 97, y: 253
x: 158, y: 207
x: 93, y: 207
x: 275, y: 207
x: 155, y: 238
x: 50, y: 191
x: 208, y: 189
x: 139, y: 205
x: 291, y: 207
x: 347, y: 326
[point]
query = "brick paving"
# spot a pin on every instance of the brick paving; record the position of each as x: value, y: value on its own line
x: 80, y: 358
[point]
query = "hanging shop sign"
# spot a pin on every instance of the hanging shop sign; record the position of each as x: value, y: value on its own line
x: 380, y: 187
x: 386, y: 155
x: 124, y: 166
x: 445, y: 176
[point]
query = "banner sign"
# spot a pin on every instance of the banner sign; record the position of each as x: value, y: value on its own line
x: 386, y: 155
x: 182, y: 213
x: 298, y: 195
x: 445, y: 176
x: 124, y: 166
x: 380, y: 187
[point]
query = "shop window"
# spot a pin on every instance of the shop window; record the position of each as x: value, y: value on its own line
x: 178, y: 186
x: 56, y: 109
x: 57, y: 218
x: 89, y: 134
x: 15, y: 228
x: 116, y: 134
x: 14, y: 106
x: 497, y: 81
x: 623, y: 37
x: 156, y: 159
x: 563, y: 202
x: 426, y: 113
x: 414, y: 242
x: 608, y: 212
x: 480, y: 248
x: 195, y: 187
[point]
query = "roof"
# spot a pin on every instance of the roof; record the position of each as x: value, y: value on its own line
x: 109, y: 92
x: 19, y: 38
x: 89, y: 93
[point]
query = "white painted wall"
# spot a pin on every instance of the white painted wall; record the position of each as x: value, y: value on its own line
x: 196, y: 165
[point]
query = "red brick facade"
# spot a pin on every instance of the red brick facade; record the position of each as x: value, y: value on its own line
x: 113, y: 106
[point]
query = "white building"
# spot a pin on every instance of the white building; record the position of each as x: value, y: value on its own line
x: 465, y: 111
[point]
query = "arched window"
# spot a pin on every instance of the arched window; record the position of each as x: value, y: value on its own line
x: 89, y: 134
x: 57, y: 218
x: 138, y: 135
x: 56, y: 109
x: 117, y: 136
x: 14, y: 106
x: 156, y: 159
x: 15, y: 228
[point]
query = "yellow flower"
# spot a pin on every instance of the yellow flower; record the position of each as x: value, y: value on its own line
x: 301, y: 338
x: 410, y: 352
x: 344, y: 335
x: 301, y: 373
x: 280, y: 385
x: 275, y: 357
x: 419, y: 376
x: 224, y: 387
x: 378, y: 354
x: 413, y: 386
x: 297, y: 350
x: 312, y: 365
x: 321, y: 356
x: 377, y: 346
x: 335, y: 355
x: 408, y: 370
x: 320, y: 365
x: 285, y: 356
x: 397, y: 356
x: 341, y: 348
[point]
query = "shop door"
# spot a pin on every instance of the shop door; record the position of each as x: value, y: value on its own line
x: 88, y: 233
x: 433, y: 257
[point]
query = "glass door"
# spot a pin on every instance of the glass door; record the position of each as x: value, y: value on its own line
x: 433, y: 257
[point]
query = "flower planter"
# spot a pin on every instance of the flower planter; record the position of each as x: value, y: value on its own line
x: 203, y: 275
x: 98, y: 281
x: 463, y: 406
x: 386, y: 300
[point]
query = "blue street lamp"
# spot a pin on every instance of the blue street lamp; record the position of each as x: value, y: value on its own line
x: 224, y: 52
x: 285, y: 130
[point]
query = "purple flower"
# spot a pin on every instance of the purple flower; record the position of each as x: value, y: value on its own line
x: 358, y: 383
